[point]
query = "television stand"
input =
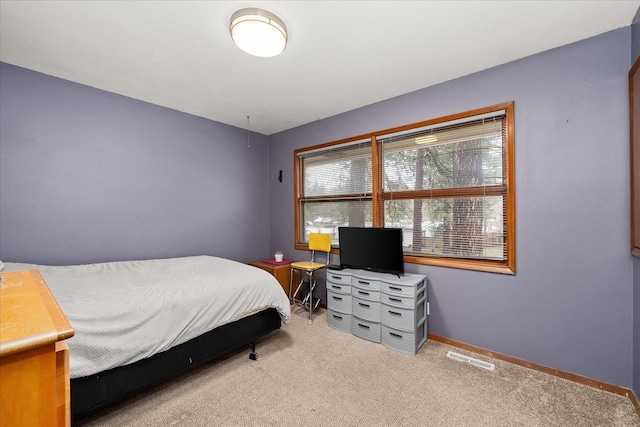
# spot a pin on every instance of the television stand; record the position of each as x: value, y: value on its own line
x: 379, y: 307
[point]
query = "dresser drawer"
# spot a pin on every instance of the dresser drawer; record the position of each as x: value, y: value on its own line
x: 339, y: 302
x: 402, y: 341
x: 344, y: 279
x: 398, y: 301
x: 398, y: 318
x: 365, y: 329
x: 365, y: 294
x: 339, y: 321
x: 372, y: 285
x: 405, y: 319
x: 364, y: 309
x: 418, y: 291
x: 339, y: 287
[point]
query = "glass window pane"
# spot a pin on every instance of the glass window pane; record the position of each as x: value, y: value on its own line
x: 346, y: 170
x: 465, y: 227
x: 466, y: 156
x: 326, y: 217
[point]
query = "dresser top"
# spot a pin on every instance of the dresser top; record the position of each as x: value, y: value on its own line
x: 407, y: 279
x: 29, y: 314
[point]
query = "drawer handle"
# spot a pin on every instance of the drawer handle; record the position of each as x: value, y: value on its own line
x: 395, y: 299
x: 336, y: 287
x: 363, y: 282
x: 336, y: 277
x: 364, y: 305
x: 363, y: 326
x: 363, y: 293
x: 394, y: 312
x: 395, y: 288
x: 337, y: 317
x: 395, y: 335
x: 338, y: 298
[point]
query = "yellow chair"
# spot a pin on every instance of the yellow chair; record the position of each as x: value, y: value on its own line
x: 318, y: 242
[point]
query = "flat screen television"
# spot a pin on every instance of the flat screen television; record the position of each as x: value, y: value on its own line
x: 373, y: 249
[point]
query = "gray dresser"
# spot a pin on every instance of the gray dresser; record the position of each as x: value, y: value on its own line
x: 379, y: 307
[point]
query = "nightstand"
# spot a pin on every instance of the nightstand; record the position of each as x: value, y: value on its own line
x: 282, y: 272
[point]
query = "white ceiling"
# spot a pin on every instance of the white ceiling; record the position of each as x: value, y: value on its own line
x: 341, y: 55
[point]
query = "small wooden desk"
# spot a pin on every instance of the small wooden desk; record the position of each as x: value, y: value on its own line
x: 34, y: 359
x: 281, y: 272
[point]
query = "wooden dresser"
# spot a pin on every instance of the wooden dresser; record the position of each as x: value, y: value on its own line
x: 34, y: 359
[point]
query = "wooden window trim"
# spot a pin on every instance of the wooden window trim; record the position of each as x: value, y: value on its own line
x: 634, y: 155
x: 378, y: 197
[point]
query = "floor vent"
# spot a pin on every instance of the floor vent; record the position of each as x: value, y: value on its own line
x: 471, y: 360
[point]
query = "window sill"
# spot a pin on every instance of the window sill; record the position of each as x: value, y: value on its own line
x: 464, y: 264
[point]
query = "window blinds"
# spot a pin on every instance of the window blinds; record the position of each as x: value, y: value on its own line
x: 336, y: 188
x: 445, y: 184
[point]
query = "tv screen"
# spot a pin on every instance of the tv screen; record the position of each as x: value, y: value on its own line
x: 373, y: 249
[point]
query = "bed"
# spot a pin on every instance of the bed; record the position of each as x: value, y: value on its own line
x: 140, y: 323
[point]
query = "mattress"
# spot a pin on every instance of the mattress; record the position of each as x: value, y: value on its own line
x: 127, y: 311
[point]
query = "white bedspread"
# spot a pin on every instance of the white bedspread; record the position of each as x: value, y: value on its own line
x: 127, y: 311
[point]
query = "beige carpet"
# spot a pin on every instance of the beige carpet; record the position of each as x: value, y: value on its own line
x: 317, y: 376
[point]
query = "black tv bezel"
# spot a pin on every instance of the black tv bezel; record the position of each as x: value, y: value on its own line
x: 374, y: 268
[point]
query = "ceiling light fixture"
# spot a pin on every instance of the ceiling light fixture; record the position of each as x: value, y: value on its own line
x: 258, y: 32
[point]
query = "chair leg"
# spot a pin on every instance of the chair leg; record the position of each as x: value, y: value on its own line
x: 312, y: 286
x: 308, y: 300
x: 293, y: 299
x: 291, y: 286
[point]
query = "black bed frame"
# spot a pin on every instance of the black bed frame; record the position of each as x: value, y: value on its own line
x: 94, y: 392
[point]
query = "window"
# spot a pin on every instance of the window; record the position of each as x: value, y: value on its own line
x: 336, y: 189
x: 447, y: 183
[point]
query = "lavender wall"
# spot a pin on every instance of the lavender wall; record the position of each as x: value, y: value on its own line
x: 90, y: 176
x: 570, y: 306
x: 635, y: 53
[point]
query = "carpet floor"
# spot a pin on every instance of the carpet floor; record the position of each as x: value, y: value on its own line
x: 313, y: 375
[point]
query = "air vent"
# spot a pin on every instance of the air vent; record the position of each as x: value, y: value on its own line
x: 458, y: 357
x: 471, y: 360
